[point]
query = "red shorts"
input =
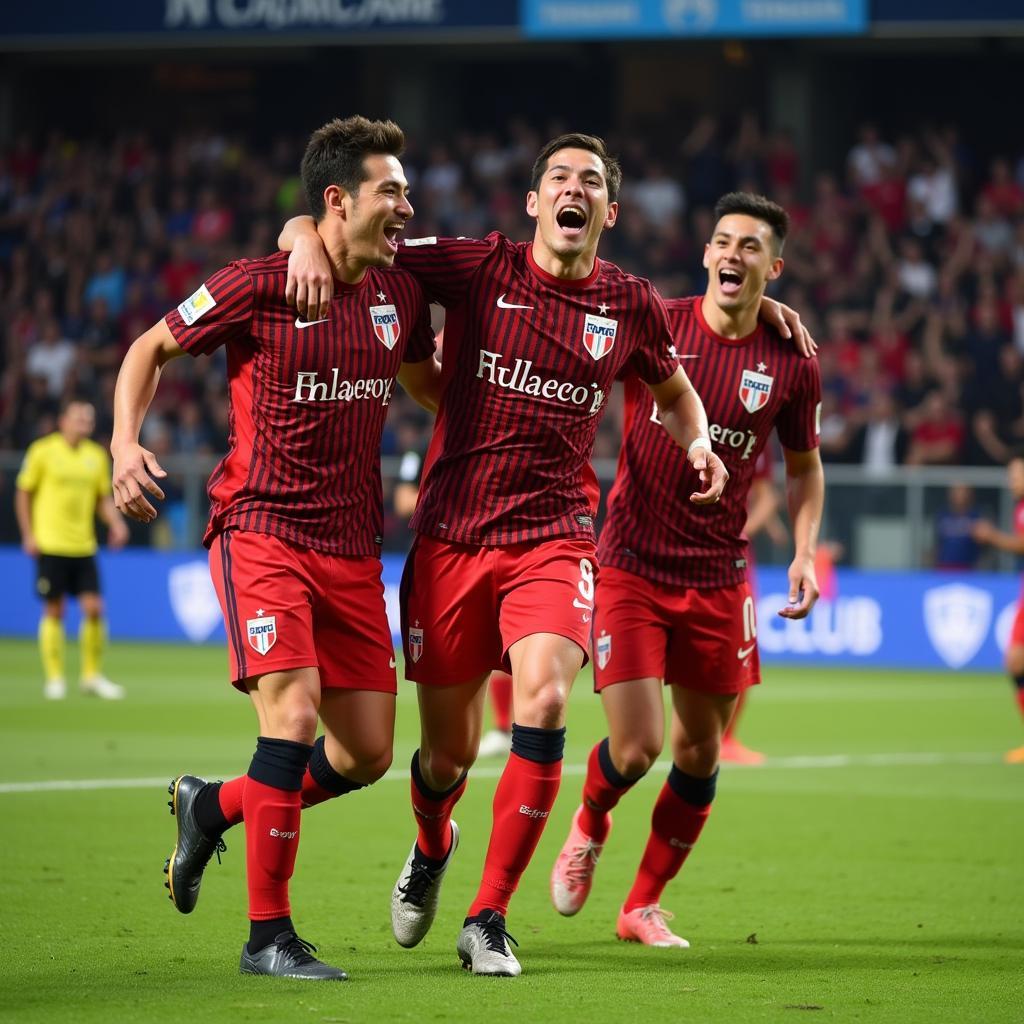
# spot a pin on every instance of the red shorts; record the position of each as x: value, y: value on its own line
x: 289, y: 607
x: 703, y: 639
x: 1017, y: 633
x: 464, y: 606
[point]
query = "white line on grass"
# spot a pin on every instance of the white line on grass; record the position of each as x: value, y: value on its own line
x: 492, y: 771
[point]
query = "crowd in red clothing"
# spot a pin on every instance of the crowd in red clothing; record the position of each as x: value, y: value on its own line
x: 906, y: 259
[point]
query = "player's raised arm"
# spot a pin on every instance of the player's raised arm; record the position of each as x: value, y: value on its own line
x: 805, y: 497
x: 134, y: 466
x: 310, y: 285
x: 682, y: 413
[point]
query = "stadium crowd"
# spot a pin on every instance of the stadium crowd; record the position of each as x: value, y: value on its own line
x: 907, y: 262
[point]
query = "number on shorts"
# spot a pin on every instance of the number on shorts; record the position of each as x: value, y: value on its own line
x: 749, y: 620
x: 586, y: 584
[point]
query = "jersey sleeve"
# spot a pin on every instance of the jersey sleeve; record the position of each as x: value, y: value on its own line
x: 31, y: 472
x: 421, y: 339
x: 219, y: 312
x: 654, y: 361
x: 445, y: 267
x: 799, y: 421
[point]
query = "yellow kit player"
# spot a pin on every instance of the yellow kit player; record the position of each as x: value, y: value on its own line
x: 64, y: 483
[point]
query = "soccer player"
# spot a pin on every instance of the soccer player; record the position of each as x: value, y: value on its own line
x: 674, y: 604
x: 502, y: 572
x: 985, y: 533
x: 497, y: 741
x: 296, y: 518
x: 63, y: 485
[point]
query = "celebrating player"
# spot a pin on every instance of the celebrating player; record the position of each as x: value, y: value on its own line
x: 502, y: 571
x: 673, y: 602
x: 296, y: 518
x: 63, y: 485
x: 985, y: 533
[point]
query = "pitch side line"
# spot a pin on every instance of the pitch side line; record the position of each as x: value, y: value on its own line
x: 492, y: 771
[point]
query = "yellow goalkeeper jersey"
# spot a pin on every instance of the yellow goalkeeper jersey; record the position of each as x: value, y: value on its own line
x: 66, y: 484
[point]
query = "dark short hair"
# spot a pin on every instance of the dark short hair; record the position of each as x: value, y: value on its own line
x: 577, y: 140
x: 69, y: 400
x: 759, y: 207
x: 335, y: 154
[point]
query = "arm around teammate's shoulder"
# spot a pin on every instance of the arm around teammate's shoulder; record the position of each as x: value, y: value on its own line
x: 422, y: 381
x: 135, y: 466
x: 310, y: 284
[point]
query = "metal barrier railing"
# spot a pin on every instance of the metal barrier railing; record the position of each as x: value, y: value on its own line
x: 881, y: 520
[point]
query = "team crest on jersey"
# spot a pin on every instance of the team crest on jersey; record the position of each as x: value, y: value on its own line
x: 599, y: 335
x: 415, y: 643
x: 755, y: 390
x: 262, y: 633
x: 385, y: 325
x: 604, y: 650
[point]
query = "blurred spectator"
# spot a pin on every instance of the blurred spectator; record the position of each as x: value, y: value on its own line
x: 938, y: 436
x: 881, y: 444
x: 955, y: 546
x: 51, y: 358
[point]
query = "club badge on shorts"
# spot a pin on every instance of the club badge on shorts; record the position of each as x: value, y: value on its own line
x: 262, y: 633
x: 604, y: 650
x: 386, y: 325
x: 415, y: 643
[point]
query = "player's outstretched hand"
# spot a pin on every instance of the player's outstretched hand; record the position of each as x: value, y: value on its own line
x: 803, y: 588
x: 310, y: 284
x: 713, y: 476
x: 787, y: 322
x: 134, y: 469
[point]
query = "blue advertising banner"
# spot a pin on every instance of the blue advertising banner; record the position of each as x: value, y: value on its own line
x: 224, y: 18
x: 876, y: 619
x: 601, y: 19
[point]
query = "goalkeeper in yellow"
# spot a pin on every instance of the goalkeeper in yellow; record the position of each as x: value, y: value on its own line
x: 64, y: 483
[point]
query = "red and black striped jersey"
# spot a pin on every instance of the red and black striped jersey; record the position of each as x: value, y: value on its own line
x: 529, y: 361
x: 307, y: 400
x: 749, y: 387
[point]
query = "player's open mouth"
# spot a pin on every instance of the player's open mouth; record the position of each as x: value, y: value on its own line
x: 730, y: 281
x: 571, y: 219
x: 391, y: 233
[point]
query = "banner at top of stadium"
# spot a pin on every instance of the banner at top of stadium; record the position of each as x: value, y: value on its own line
x: 603, y: 19
x: 168, y: 19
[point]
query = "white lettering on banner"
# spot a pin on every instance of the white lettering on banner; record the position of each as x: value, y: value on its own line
x: 956, y: 619
x: 308, y: 388
x: 276, y: 14
x: 520, y: 378
x: 850, y: 625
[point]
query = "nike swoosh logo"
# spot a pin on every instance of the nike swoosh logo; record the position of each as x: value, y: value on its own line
x: 577, y: 603
x: 309, y: 323
x: 745, y: 652
x: 502, y: 304
x: 391, y: 663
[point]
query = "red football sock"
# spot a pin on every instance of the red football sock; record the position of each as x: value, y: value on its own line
x: 522, y: 802
x: 730, y: 729
x: 271, y: 843
x: 601, y: 793
x: 501, y: 700
x: 230, y: 798
x: 675, y: 827
x: 433, y: 812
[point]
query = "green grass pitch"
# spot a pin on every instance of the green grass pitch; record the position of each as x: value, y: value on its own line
x: 872, y: 871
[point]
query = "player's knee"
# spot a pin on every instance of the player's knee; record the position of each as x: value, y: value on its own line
x: 544, y: 708
x: 698, y: 757
x: 1015, y: 661
x: 442, y: 767
x: 296, y: 721
x: 636, y: 756
x: 374, y: 765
